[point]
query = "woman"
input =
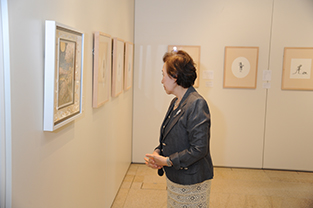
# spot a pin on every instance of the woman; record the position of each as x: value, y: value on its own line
x: 184, y: 150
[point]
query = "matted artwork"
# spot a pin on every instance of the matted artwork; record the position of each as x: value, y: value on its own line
x: 128, y: 73
x: 63, y: 75
x: 101, y: 69
x: 297, y: 69
x: 117, y: 67
x: 241, y: 67
x: 194, y: 52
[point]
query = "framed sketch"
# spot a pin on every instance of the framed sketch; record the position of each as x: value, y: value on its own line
x: 194, y: 52
x: 241, y: 67
x: 101, y: 69
x: 63, y: 75
x: 297, y: 69
x: 117, y: 67
x: 128, y: 73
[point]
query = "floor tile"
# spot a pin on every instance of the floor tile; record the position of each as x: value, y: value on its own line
x: 231, y: 188
x: 285, y: 176
x: 146, y: 198
x: 155, y: 186
x: 305, y: 177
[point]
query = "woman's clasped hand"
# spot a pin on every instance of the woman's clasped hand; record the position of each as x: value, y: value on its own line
x: 155, y: 160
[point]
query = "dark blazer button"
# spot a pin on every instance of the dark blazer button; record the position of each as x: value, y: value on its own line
x: 163, y: 144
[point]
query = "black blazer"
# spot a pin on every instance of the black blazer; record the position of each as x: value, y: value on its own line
x: 186, y: 140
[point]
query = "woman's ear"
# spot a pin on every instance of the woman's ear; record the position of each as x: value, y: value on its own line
x: 174, y: 78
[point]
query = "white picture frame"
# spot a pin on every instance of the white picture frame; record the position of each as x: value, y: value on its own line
x: 63, y: 79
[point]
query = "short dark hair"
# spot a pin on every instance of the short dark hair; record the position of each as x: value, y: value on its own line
x: 180, y: 66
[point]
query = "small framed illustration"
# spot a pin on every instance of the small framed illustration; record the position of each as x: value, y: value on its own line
x: 297, y: 69
x: 128, y: 73
x: 117, y: 66
x: 194, y: 52
x: 101, y: 69
x: 63, y: 75
x: 241, y: 67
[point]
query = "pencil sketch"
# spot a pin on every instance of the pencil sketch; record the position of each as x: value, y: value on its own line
x: 240, y: 67
x: 300, y: 68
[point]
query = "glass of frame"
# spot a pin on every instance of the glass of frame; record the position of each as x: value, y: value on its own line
x: 240, y: 67
x: 297, y: 69
x: 101, y: 69
x: 63, y: 75
x: 117, y: 66
x: 194, y: 52
x: 128, y: 74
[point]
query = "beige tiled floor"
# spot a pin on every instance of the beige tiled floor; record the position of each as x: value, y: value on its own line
x: 231, y: 187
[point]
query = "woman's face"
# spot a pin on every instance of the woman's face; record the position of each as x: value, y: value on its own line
x: 169, y: 83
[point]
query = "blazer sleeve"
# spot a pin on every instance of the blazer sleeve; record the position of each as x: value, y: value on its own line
x: 198, y: 133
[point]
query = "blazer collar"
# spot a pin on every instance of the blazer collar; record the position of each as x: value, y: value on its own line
x: 187, y: 93
x: 180, y: 110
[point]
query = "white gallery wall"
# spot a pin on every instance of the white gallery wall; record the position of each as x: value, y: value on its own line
x: 257, y: 128
x: 83, y: 163
x: 289, y: 132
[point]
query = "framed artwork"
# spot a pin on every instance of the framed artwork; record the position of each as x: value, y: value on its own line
x: 101, y: 69
x: 117, y: 67
x: 128, y: 73
x: 194, y: 52
x: 63, y: 75
x: 297, y: 69
x: 241, y: 67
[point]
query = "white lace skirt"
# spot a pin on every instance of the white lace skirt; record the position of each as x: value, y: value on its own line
x: 188, y: 196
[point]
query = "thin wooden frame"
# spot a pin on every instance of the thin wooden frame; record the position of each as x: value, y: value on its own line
x: 117, y: 66
x: 297, y: 68
x: 128, y: 68
x: 63, y: 75
x: 241, y: 67
x: 194, y: 52
x: 101, y: 69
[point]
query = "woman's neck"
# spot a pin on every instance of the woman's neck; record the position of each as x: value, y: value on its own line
x: 180, y: 92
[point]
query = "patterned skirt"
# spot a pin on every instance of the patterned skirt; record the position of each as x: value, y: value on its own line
x: 188, y: 196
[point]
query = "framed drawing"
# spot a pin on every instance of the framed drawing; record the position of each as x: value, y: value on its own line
x: 297, y: 69
x: 117, y: 67
x: 101, y: 69
x: 194, y: 52
x: 128, y: 73
x: 241, y: 67
x: 63, y: 75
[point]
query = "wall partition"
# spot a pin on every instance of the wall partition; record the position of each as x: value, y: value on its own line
x: 289, y: 133
x: 263, y: 127
x: 83, y: 163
